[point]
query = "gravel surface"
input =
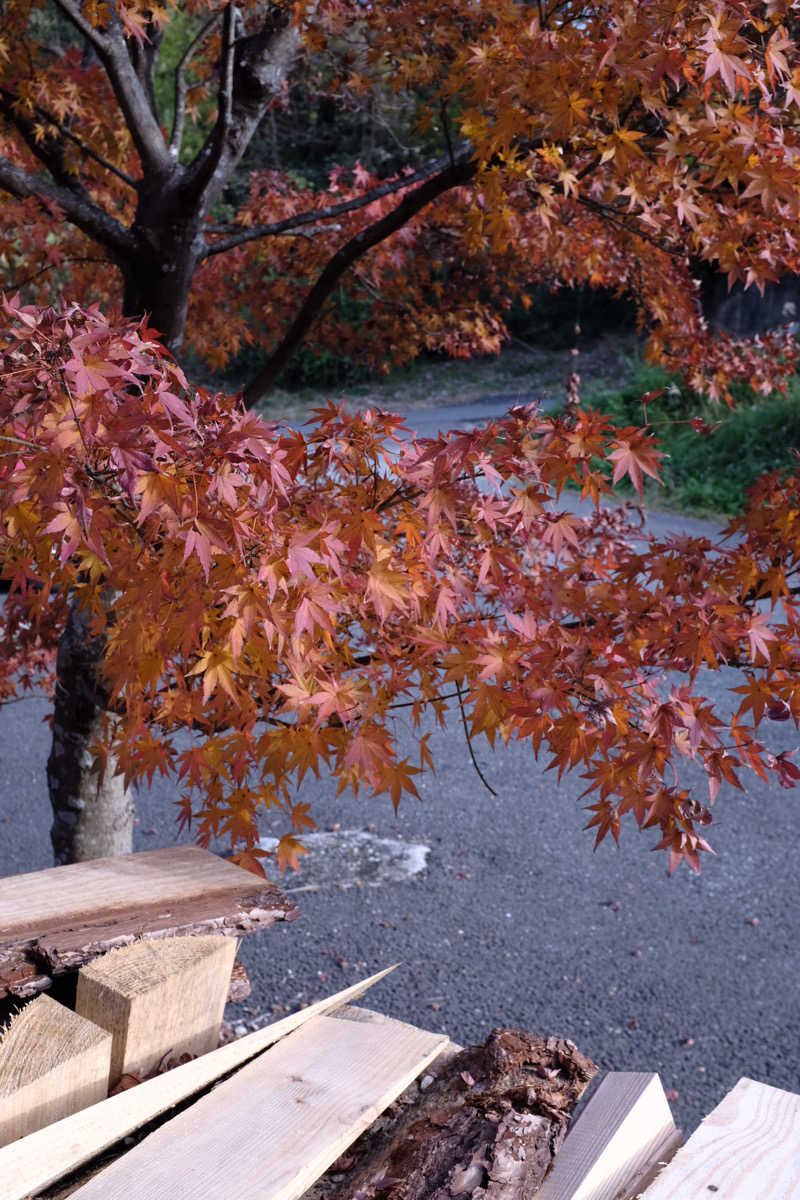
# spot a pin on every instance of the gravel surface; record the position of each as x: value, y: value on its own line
x: 514, y: 921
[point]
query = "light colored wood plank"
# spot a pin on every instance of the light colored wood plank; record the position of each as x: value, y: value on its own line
x: 277, y: 1125
x: 31, y: 1164
x: 52, y: 1063
x: 624, y: 1128
x: 749, y: 1146
x: 158, y: 998
x: 35, y: 902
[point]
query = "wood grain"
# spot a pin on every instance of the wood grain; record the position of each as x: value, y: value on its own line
x: 278, y: 1124
x: 749, y: 1146
x: 57, y: 920
x: 52, y: 1063
x: 32, y: 1163
x: 158, y: 998
x: 624, y: 1129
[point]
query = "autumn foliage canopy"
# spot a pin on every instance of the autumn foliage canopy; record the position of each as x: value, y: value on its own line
x: 281, y: 594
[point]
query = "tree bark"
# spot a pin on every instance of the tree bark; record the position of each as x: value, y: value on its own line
x: 485, y: 1122
x: 92, y: 809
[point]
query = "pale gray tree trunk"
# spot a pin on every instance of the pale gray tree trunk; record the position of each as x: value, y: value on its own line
x: 92, y: 809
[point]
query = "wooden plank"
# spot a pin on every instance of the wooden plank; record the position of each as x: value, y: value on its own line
x: 52, y: 1063
x: 158, y: 998
x: 57, y: 920
x: 625, y: 1128
x: 748, y: 1146
x: 31, y: 1164
x: 278, y: 1124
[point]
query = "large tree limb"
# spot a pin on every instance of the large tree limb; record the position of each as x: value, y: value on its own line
x: 131, y: 93
x: 260, y: 64
x: 79, y: 209
x: 253, y: 233
x: 453, y: 176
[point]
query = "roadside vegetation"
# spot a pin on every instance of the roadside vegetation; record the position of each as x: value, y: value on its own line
x: 714, y: 454
x: 709, y: 465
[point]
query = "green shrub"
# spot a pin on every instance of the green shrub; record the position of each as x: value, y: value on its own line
x: 709, y: 472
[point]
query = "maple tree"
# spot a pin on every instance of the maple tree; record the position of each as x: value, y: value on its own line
x: 607, y: 143
x: 282, y: 593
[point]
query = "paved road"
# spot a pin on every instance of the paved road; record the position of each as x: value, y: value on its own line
x: 514, y: 920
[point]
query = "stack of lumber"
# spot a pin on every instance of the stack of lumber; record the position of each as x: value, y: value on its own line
x: 52, y: 922
x: 334, y: 1102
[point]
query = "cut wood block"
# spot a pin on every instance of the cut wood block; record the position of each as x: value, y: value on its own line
x: 52, y: 1063
x: 748, y: 1146
x: 41, y: 1158
x: 625, y: 1129
x: 57, y: 920
x: 277, y: 1125
x: 158, y: 998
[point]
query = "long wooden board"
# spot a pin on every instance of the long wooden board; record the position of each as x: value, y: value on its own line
x: 624, y: 1130
x: 271, y: 1131
x: 749, y: 1146
x: 56, y: 920
x: 31, y: 1164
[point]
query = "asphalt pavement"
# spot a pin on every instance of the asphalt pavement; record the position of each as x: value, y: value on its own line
x: 514, y: 920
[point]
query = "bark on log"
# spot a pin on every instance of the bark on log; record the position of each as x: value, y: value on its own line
x: 28, y: 967
x: 484, y: 1123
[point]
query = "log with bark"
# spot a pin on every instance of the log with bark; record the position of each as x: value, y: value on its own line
x: 53, y: 922
x: 485, y: 1123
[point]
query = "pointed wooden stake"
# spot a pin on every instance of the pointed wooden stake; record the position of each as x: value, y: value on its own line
x: 29, y: 1165
x: 52, y: 1063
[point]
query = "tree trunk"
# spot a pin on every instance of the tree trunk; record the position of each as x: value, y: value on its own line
x: 92, y: 809
x: 93, y: 812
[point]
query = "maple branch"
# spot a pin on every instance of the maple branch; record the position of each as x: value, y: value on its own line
x: 446, y: 128
x: 343, y: 259
x: 48, y: 150
x: 15, y: 284
x: 468, y: 736
x: 77, y: 206
x: 179, y: 115
x: 128, y: 88
x: 225, y: 103
x: 253, y: 71
x: 87, y: 150
x: 606, y: 213
x: 254, y: 232
x: 144, y: 55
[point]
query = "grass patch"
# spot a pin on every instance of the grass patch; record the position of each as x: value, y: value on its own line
x: 708, y: 473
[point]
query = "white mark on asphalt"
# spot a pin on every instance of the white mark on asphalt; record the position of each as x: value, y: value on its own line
x: 352, y: 858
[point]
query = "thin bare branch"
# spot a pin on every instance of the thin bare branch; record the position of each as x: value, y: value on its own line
x: 255, y: 232
x: 15, y: 284
x: 468, y: 736
x: 87, y: 150
x: 181, y: 89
